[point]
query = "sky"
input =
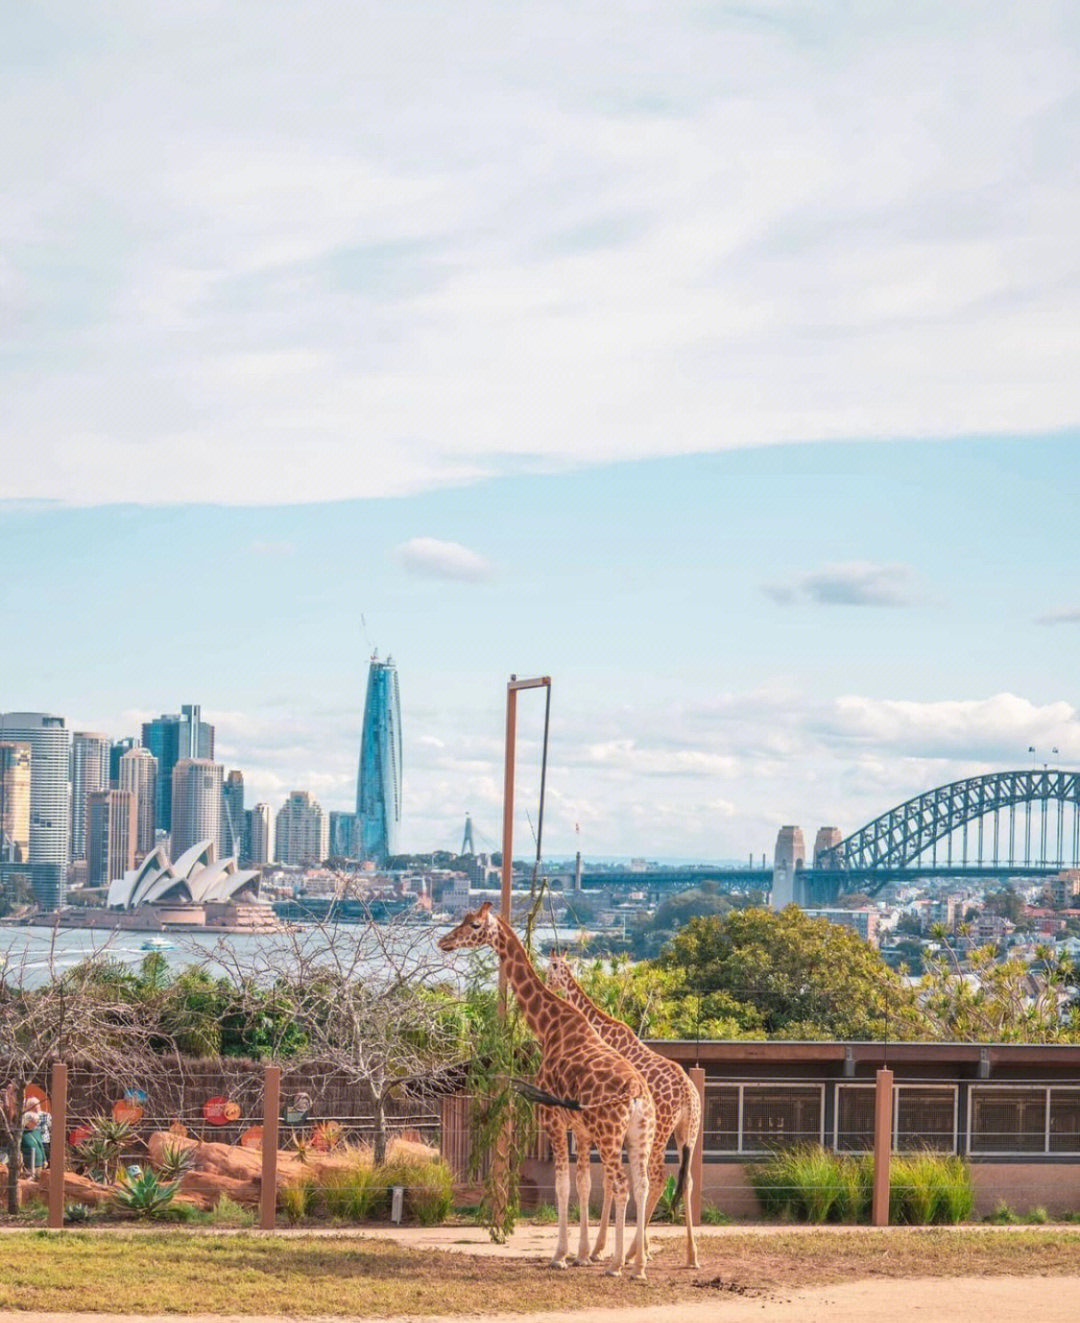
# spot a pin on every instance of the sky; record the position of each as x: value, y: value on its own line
x: 718, y: 360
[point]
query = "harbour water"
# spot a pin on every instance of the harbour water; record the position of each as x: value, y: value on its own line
x: 29, y: 955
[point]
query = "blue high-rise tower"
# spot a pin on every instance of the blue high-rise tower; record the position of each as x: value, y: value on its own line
x: 378, y: 782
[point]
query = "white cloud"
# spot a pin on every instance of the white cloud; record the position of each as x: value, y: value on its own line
x: 855, y: 583
x: 704, y: 777
x: 280, y: 271
x: 1069, y: 615
x: 433, y: 559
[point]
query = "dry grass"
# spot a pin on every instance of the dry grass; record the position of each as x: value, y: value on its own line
x: 819, y: 1258
x: 177, y: 1272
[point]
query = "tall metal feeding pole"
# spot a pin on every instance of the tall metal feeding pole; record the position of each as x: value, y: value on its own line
x: 512, y: 688
x: 502, y: 1144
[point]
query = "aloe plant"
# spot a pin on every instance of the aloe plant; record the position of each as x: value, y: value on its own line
x: 176, y: 1161
x: 143, y: 1194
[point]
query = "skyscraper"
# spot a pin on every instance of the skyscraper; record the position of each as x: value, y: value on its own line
x: 378, y: 781
x: 111, y: 829
x: 232, y: 815
x: 342, y: 834
x: 138, y: 773
x: 14, y: 803
x: 260, y: 842
x: 50, y: 797
x: 303, y: 831
x: 89, y: 772
x: 196, y: 804
x: 116, y: 751
x: 171, y: 738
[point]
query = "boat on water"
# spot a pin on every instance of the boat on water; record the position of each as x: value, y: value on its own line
x: 158, y: 944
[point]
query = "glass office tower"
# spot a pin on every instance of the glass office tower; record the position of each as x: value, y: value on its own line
x: 378, y: 782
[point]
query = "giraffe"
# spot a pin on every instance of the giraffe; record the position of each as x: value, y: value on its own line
x: 678, y: 1106
x: 606, y: 1100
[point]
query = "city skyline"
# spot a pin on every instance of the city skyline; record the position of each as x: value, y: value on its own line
x: 729, y: 379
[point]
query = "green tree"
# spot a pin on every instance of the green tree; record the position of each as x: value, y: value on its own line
x: 801, y: 977
x: 653, y: 933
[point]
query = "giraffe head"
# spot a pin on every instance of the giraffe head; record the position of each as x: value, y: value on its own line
x: 478, y: 928
x: 559, y: 973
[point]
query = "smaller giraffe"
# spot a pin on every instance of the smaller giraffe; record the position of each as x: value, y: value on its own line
x: 678, y: 1107
x: 608, y: 1102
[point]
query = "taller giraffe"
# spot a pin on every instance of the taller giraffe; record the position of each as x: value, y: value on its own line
x: 678, y: 1106
x: 608, y: 1102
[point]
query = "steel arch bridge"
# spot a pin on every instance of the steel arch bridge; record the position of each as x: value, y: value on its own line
x: 931, y: 823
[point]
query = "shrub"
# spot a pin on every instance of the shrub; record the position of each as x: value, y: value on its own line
x: 714, y: 1216
x: 1002, y: 1215
x: 546, y: 1214
x: 227, y: 1212
x: 1038, y: 1216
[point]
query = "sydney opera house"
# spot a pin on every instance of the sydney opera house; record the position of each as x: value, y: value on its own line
x: 193, y: 892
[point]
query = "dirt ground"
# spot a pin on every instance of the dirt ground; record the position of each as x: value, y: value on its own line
x: 956, y: 1300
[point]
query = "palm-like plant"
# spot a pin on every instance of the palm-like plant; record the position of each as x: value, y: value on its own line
x: 176, y: 1160
x: 107, y: 1141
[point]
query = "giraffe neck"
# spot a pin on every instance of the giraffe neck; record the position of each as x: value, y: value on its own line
x: 614, y: 1031
x: 538, y: 1003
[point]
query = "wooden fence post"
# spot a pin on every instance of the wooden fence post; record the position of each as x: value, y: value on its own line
x: 58, y: 1143
x: 883, y: 1119
x: 271, y: 1114
x: 697, y: 1162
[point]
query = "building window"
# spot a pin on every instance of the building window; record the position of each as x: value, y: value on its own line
x: 754, y: 1118
x: 924, y: 1117
x: 1006, y: 1120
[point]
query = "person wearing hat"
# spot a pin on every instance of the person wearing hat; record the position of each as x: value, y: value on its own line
x: 33, y: 1151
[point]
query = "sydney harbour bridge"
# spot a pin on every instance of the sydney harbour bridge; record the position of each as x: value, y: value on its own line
x: 998, y: 825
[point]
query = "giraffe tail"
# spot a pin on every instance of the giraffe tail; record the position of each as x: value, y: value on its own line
x: 680, y: 1184
x: 537, y: 1095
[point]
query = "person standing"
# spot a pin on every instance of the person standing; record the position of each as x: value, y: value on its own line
x: 33, y: 1153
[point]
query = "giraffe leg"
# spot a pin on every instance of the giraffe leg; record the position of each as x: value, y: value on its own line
x: 584, y: 1190
x: 611, y: 1156
x: 640, y: 1135
x: 605, y: 1214
x: 657, y: 1182
x: 561, y: 1154
x: 688, y: 1136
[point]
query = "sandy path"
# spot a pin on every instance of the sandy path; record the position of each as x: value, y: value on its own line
x: 937, y: 1300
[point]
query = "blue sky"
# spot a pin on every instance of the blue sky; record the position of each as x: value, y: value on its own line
x: 720, y: 360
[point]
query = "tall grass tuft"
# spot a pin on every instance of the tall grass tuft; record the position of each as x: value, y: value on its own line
x: 346, y: 1193
x: 429, y: 1188
x: 296, y: 1198
x: 811, y: 1184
